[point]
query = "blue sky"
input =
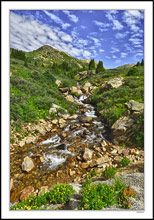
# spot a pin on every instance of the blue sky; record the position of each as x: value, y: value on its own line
x: 115, y: 37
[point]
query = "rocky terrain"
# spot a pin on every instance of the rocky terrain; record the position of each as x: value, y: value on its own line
x: 65, y: 149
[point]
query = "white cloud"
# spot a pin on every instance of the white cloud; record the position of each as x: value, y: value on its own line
x: 83, y: 27
x: 116, y: 25
x: 136, y: 40
x: 64, y: 36
x: 138, y: 34
x: 42, y: 39
x: 139, y: 54
x: 101, y: 50
x: 114, y: 50
x: 118, y: 61
x: 101, y: 24
x: 72, y: 17
x: 121, y: 35
x: 108, y: 57
x: 96, y: 41
x: 123, y: 55
x: 86, y: 53
x: 103, y: 29
x: 138, y: 46
x: 133, y: 18
x: 114, y: 56
x: 56, y: 19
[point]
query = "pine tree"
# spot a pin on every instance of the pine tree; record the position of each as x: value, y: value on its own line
x: 138, y: 64
x: 100, y: 67
x: 142, y: 62
x: 25, y: 63
x: 92, y: 64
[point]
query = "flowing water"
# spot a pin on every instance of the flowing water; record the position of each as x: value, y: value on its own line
x: 55, y: 149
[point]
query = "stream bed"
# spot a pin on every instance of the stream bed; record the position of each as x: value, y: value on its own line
x: 56, y: 149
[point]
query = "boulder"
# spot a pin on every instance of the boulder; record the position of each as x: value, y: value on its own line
x: 86, y: 119
x: 115, y: 82
x: 26, y: 192
x: 74, y: 89
x: 27, y: 164
x: 43, y: 190
x: 121, y: 125
x: 66, y: 116
x: 70, y: 98
x: 87, y: 155
x: 87, y: 84
x: 112, y: 84
x: 117, y: 159
x: 63, y: 90
x: 58, y: 82
x: 55, y: 121
x: 134, y: 105
x: 72, y: 172
x: 86, y: 87
x: 75, y: 199
x: 62, y: 121
x: 40, y: 129
x: 22, y: 143
x: 52, y: 110
x: 85, y: 165
x: 30, y: 140
x: 11, y: 184
x: 113, y: 152
x: 74, y: 116
x: 42, y: 159
x: 102, y: 160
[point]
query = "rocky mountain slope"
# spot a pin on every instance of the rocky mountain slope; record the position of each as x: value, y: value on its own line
x: 125, y: 66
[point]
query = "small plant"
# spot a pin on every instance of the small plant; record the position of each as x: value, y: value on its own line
x: 97, y: 196
x: 93, y: 173
x: 109, y: 172
x: 60, y: 193
x: 124, y: 162
x: 127, y: 193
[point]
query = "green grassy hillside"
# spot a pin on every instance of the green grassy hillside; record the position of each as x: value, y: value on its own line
x: 32, y: 82
x: 112, y: 102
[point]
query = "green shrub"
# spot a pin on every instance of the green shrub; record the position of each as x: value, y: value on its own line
x: 97, y: 196
x: 125, y: 161
x: 109, y: 172
x: 132, y: 72
x: 60, y: 193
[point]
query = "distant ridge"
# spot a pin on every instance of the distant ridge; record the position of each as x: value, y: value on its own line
x: 125, y: 66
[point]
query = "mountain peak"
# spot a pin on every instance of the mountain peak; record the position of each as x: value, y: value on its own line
x: 126, y: 66
x: 46, y: 47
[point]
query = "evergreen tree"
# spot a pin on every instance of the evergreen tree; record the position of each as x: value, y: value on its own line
x: 142, y: 62
x: 92, y: 64
x: 25, y: 63
x: 35, y: 63
x: 138, y: 64
x: 100, y: 67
